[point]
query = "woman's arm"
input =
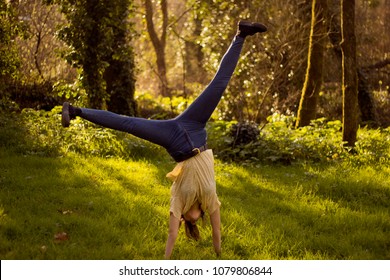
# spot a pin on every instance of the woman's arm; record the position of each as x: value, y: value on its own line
x: 174, y: 224
x: 215, y: 220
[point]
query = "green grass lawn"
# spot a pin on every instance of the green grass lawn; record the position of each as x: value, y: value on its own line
x: 75, y: 207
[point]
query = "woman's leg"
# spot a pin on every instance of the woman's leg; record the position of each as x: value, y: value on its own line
x: 193, y: 118
x: 170, y: 134
x: 156, y: 131
x: 203, y: 106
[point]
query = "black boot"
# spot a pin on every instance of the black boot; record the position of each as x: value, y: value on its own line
x: 247, y: 28
x: 69, y: 113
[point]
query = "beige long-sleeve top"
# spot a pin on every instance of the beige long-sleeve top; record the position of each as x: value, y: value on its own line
x: 193, y: 180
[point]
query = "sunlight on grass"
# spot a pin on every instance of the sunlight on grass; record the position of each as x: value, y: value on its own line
x: 292, y: 209
x: 118, y: 209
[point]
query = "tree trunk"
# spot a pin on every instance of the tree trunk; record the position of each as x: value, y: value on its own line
x: 365, y: 98
x: 159, y: 44
x: 120, y: 76
x: 291, y: 57
x: 349, y: 70
x: 366, y: 106
x: 93, y: 81
x: 311, y: 89
x: 194, y: 56
x: 120, y: 80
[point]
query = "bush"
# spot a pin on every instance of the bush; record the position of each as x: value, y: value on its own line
x: 373, y: 146
x: 34, y: 95
x: 279, y: 142
x: 41, y: 133
x: 244, y: 133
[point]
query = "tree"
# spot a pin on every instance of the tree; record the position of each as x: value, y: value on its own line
x: 120, y: 74
x: 291, y: 59
x: 272, y: 68
x: 159, y: 42
x: 312, y: 86
x: 247, y: 96
x: 367, y: 109
x: 39, y: 47
x: 349, y: 72
x: 9, y: 30
x: 97, y: 33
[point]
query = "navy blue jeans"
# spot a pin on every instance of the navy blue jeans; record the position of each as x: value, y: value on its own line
x: 179, y: 136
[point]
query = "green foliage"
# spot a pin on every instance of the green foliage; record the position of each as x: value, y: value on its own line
x: 40, y: 133
x: 270, y: 70
x: 69, y: 91
x: 97, y: 34
x: 42, y: 95
x: 39, y: 95
x: 279, y: 142
x: 160, y: 107
x: 373, y: 146
x: 246, y: 89
x: 244, y: 133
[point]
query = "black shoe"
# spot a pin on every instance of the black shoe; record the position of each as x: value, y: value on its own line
x: 65, y: 115
x: 247, y: 28
x: 68, y: 113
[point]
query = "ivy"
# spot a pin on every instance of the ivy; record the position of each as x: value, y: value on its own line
x: 98, y: 32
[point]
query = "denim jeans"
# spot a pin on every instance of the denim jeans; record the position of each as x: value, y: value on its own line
x: 179, y: 136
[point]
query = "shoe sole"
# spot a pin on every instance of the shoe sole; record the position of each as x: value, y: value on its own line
x: 65, y: 120
x: 258, y: 26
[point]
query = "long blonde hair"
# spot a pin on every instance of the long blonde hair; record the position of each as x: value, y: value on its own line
x: 192, y: 230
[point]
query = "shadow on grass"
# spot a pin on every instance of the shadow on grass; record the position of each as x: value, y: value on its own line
x: 292, y: 213
x: 107, y: 211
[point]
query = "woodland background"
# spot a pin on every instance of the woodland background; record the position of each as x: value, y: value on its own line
x: 150, y: 58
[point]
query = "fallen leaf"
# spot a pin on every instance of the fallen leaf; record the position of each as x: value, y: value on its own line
x: 61, y: 236
x: 65, y: 212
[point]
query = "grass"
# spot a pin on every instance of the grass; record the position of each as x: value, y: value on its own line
x: 118, y: 209
x: 91, y: 193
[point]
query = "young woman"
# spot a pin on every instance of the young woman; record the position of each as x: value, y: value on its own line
x: 194, y: 189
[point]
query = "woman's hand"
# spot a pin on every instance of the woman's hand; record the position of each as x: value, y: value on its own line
x: 215, y: 219
x: 174, y: 224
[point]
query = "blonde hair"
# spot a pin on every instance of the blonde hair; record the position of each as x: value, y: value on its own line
x: 192, y: 230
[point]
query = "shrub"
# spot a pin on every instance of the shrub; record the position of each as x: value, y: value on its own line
x: 41, y: 133
x: 373, y: 146
x: 279, y: 142
x: 244, y: 133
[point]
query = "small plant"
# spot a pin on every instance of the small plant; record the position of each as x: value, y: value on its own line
x: 244, y: 133
x: 373, y: 146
